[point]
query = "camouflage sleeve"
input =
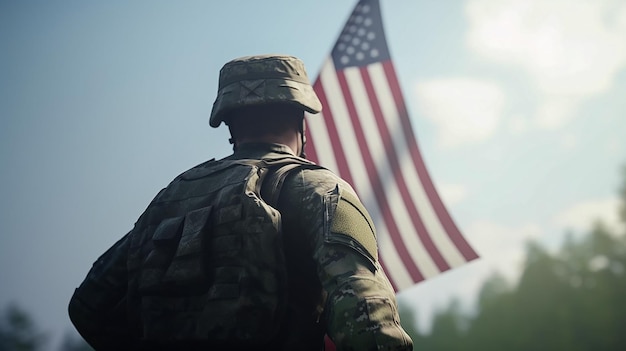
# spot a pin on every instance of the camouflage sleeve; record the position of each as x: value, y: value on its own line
x: 361, y: 308
x: 98, y: 306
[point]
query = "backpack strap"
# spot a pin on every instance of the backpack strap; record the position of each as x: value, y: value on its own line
x: 273, y: 174
x: 276, y: 180
x: 279, y: 171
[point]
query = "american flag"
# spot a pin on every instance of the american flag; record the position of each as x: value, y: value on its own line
x: 364, y: 134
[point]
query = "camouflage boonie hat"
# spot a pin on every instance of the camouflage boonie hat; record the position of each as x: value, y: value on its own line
x: 260, y: 80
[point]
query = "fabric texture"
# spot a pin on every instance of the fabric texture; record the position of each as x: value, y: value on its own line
x: 334, y: 284
x: 260, y: 80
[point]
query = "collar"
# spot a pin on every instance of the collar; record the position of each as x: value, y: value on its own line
x: 257, y: 150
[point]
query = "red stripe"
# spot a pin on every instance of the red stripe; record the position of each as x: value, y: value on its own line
x: 445, y: 219
x: 377, y: 186
x: 392, y: 157
x: 312, y: 148
x: 340, y: 156
x: 386, y: 269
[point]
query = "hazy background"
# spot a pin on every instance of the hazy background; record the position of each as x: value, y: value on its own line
x: 518, y: 106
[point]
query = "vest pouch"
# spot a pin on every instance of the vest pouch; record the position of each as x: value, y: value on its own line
x: 221, y: 276
x: 164, y: 245
x: 188, y: 267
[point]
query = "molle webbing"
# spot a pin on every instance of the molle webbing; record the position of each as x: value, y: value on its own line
x: 206, y: 259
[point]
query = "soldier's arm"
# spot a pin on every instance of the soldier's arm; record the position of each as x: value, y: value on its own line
x: 361, y: 308
x: 98, y: 306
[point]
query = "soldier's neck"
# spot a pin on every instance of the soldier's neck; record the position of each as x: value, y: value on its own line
x: 291, y: 140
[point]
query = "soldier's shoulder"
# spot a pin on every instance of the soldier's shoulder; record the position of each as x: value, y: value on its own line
x: 195, y: 169
x: 317, y: 180
x: 313, y: 175
x: 213, y: 166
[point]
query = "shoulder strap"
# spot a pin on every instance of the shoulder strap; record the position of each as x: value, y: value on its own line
x: 279, y: 171
x: 276, y: 180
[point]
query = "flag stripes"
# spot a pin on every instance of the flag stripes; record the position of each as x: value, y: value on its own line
x: 383, y: 196
x: 370, y: 148
x: 458, y: 242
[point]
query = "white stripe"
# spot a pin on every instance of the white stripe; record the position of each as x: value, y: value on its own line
x: 394, y: 268
x: 321, y: 139
x: 337, y: 105
x: 399, y: 214
x: 440, y: 238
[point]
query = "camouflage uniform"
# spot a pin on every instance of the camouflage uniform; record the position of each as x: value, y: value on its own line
x: 325, y: 259
x: 336, y: 285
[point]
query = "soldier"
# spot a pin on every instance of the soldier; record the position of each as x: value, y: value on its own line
x: 210, y: 265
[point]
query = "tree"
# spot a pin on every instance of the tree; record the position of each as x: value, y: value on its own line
x: 18, y: 332
x: 409, y: 323
x: 447, y: 332
x: 571, y: 300
x: 490, y: 328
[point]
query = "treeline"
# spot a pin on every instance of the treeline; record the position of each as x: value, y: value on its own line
x: 574, y: 299
x: 19, y: 332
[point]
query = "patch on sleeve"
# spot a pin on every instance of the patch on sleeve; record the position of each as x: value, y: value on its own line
x: 352, y: 225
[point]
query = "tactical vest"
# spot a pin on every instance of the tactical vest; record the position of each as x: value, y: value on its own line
x: 206, y: 260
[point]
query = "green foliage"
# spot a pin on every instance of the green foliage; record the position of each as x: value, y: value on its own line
x: 18, y: 332
x: 409, y: 322
x: 569, y: 300
x: 622, y: 192
x: 447, y: 332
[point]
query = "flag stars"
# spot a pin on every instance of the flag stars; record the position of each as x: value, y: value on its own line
x: 360, y: 39
x: 355, y: 41
x: 362, y: 8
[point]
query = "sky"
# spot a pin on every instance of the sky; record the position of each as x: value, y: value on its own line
x: 518, y: 107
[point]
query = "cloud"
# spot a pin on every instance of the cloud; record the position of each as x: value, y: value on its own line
x: 464, y: 109
x: 555, y: 112
x: 502, y: 248
x: 517, y: 124
x: 613, y: 145
x: 571, y: 49
x: 580, y: 216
